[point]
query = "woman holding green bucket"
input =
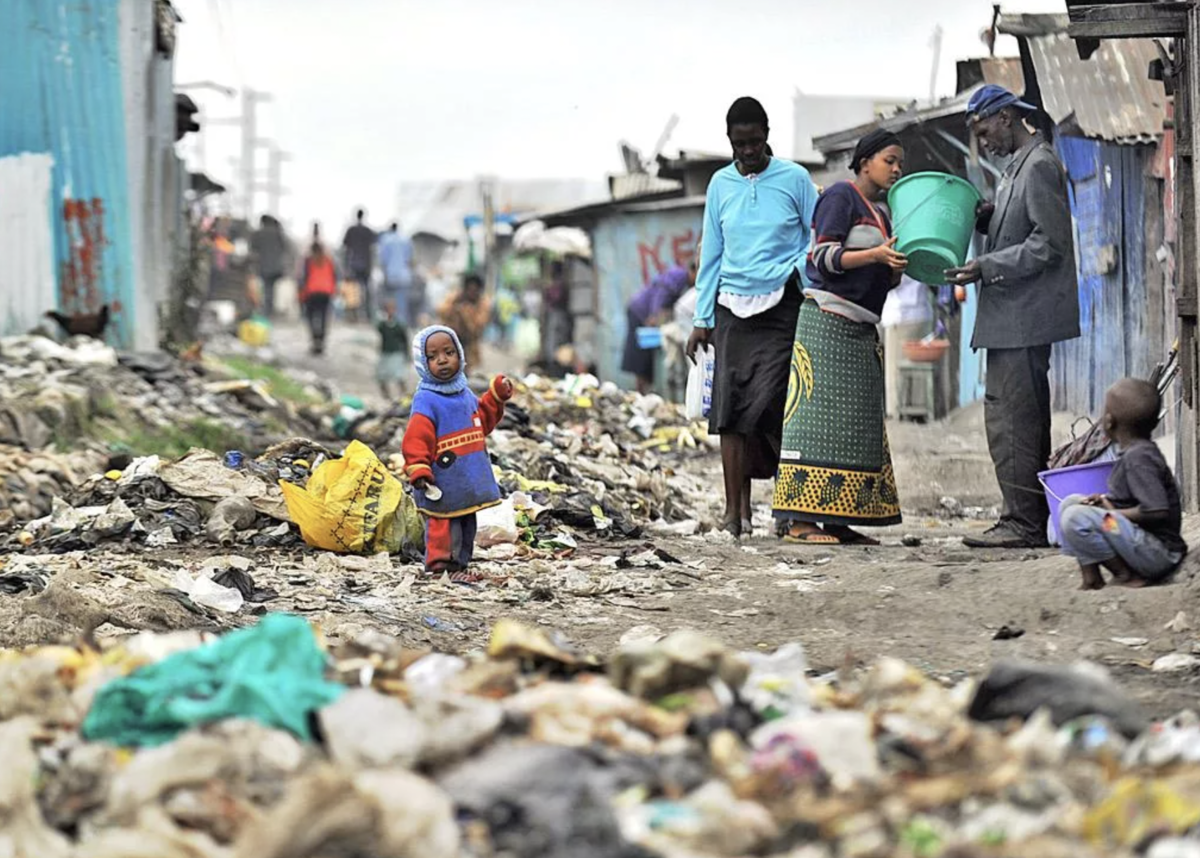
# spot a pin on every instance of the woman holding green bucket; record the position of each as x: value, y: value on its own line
x: 835, y: 469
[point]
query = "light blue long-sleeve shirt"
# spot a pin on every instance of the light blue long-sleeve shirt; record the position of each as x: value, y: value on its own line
x: 756, y: 233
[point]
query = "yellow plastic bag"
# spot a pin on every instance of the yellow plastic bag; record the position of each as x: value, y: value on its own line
x: 353, y: 505
x: 1135, y: 809
x: 254, y: 333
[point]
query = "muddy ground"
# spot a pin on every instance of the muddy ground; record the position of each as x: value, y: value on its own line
x: 937, y: 605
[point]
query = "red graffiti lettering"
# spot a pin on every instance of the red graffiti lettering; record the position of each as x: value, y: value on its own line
x: 683, y: 247
x: 79, y: 285
x: 649, y: 256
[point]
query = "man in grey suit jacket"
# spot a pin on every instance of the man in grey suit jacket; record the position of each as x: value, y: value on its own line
x: 1028, y: 300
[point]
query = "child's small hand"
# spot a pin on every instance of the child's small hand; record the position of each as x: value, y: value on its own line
x: 421, y: 483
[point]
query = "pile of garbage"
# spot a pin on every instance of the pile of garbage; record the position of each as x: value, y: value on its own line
x: 84, y: 396
x: 268, y: 742
x: 590, y: 457
x: 200, y: 496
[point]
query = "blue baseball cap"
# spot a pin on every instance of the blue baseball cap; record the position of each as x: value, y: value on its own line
x: 990, y: 99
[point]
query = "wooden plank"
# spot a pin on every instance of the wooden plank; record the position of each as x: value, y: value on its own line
x: 1188, y: 271
x: 1128, y: 20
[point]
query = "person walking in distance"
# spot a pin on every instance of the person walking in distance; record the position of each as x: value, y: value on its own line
x: 269, y: 248
x: 318, y: 283
x: 396, y: 260
x: 1028, y: 300
x: 358, y: 250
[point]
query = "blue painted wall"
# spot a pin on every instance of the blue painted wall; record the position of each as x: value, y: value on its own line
x: 1107, y: 191
x: 626, y: 248
x: 61, y: 91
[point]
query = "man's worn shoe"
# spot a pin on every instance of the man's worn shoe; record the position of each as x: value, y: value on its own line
x: 1004, y: 535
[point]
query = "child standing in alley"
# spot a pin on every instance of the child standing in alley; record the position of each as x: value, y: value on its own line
x: 1134, y: 529
x: 393, y: 361
x: 445, y: 454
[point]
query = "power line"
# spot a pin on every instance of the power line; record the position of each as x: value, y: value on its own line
x: 228, y: 47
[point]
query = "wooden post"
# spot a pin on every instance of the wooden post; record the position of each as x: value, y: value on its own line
x: 1186, y: 92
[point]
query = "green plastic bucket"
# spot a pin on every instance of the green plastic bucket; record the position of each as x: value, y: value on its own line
x: 933, y: 216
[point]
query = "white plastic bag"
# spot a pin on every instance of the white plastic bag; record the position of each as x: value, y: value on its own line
x: 497, y: 525
x: 698, y: 397
x: 208, y: 593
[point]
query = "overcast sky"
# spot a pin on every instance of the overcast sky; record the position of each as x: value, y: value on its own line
x: 369, y: 93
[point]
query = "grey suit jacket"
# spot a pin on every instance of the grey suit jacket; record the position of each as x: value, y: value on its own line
x: 1029, y: 294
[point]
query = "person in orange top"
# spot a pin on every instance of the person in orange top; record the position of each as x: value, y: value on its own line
x: 318, y: 284
x: 468, y: 312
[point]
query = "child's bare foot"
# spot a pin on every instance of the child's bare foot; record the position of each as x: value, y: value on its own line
x: 1133, y: 582
x: 1092, y: 582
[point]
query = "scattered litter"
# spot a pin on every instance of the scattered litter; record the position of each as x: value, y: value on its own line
x: 1176, y: 662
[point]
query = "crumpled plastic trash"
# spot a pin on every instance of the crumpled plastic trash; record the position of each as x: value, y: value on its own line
x: 229, y: 517
x: 583, y: 712
x: 366, y: 729
x: 354, y: 505
x: 272, y: 672
x: 497, y: 525
x: 681, y: 661
x: 204, y: 591
x: 23, y: 832
x: 1015, y: 689
x: 432, y: 673
x: 777, y: 684
x: 513, y: 640
x: 1135, y: 808
x: 539, y: 800
x: 711, y: 820
x: 202, y: 474
x: 1176, y: 740
x: 386, y: 814
x: 1176, y: 662
x: 842, y: 742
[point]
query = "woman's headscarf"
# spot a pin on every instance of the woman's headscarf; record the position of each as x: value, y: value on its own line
x: 871, y: 145
x: 421, y: 362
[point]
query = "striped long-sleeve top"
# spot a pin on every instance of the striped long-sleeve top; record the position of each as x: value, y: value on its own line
x: 845, y: 221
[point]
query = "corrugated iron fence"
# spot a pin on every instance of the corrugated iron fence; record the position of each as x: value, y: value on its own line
x: 62, y: 96
x: 1126, y: 309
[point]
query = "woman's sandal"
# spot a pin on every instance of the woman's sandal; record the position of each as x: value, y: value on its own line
x: 796, y: 536
x: 846, y: 536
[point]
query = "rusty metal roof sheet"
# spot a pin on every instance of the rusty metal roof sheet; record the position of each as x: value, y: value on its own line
x: 1108, y: 96
x: 1005, y: 71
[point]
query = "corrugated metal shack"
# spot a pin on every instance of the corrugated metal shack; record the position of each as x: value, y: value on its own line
x: 1109, y: 132
x: 632, y: 242
x: 650, y: 224
x: 1109, y: 120
x: 87, y: 143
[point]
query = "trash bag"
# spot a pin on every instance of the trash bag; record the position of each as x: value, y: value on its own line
x: 698, y: 396
x: 255, y: 332
x: 353, y: 505
x: 497, y: 525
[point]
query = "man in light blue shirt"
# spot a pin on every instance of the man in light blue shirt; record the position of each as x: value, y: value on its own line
x: 396, y: 260
x: 757, y: 219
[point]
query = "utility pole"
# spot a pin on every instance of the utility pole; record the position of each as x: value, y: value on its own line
x: 936, y: 44
x: 487, y: 192
x: 250, y: 100
x: 274, y: 184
